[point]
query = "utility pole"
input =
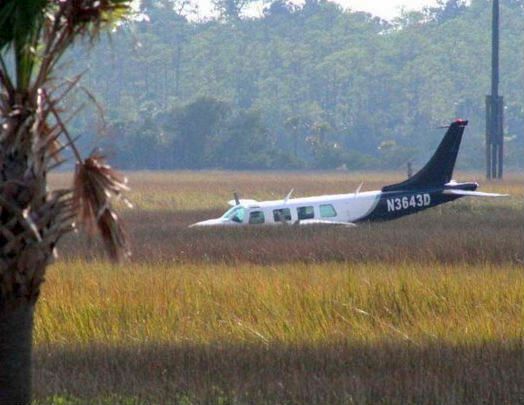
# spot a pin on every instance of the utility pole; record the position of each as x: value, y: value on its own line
x: 495, y: 108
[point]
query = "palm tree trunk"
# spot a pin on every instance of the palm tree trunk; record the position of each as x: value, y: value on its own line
x: 16, y: 327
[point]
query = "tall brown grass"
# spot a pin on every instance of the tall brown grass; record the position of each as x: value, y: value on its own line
x: 193, y: 191
x: 293, y: 303
x: 423, y: 310
x: 293, y: 333
x: 466, y: 231
x: 343, y: 373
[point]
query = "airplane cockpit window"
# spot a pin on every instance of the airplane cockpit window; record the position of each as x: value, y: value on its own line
x: 327, y: 211
x: 235, y: 214
x: 256, y: 218
x: 282, y: 215
x: 305, y: 213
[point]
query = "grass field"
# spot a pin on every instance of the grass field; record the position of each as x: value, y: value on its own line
x: 424, y: 310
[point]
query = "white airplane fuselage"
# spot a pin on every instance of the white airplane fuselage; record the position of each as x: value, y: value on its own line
x: 430, y: 187
x: 339, y: 208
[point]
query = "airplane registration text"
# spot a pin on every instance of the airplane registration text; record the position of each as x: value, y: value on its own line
x: 404, y: 203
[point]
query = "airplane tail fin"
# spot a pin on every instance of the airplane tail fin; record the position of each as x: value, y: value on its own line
x: 438, y: 171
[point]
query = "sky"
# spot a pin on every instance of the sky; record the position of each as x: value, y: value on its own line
x: 385, y: 8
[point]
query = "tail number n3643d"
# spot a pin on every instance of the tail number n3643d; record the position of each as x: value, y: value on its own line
x: 404, y: 203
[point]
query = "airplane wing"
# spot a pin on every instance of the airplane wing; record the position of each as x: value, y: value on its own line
x: 243, y: 202
x: 473, y: 193
x: 322, y: 222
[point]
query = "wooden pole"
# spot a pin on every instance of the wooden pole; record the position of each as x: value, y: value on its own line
x: 495, y: 50
x: 495, y: 107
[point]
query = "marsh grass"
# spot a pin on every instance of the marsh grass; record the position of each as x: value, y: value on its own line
x: 293, y: 334
x: 333, y: 373
x: 424, y: 310
x: 210, y: 190
x: 289, y: 304
x: 466, y: 231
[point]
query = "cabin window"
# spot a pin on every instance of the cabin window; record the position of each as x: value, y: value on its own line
x: 305, y: 213
x: 236, y: 214
x: 256, y: 218
x: 327, y: 211
x: 282, y: 215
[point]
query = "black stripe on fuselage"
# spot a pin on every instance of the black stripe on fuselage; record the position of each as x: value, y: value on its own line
x: 396, y: 204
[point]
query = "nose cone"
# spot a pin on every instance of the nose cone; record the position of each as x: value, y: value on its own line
x: 209, y: 222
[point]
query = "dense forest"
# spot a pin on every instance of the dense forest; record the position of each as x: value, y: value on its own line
x: 311, y: 86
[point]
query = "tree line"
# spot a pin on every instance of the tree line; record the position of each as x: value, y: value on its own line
x: 310, y: 86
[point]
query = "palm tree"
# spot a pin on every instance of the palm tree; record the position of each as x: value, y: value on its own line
x: 34, y: 34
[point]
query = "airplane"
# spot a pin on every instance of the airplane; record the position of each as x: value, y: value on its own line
x: 429, y: 187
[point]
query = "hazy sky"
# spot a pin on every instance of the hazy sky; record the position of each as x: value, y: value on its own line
x: 385, y: 8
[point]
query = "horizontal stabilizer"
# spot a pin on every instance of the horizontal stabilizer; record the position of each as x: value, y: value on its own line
x: 473, y: 193
x: 243, y: 202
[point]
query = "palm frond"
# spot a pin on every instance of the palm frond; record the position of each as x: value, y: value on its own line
x: 41, y: 30
x: 21, y: 23
x: 19, y: 19
x: 34, y: 34
x: 95, y: 185
x: 86, y: 17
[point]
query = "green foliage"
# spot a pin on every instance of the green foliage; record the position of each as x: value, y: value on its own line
x: 39, y: 31
x: 21, y: 23
x: 194, y: 128
x: 368, y: 80
x: 202, y: 134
